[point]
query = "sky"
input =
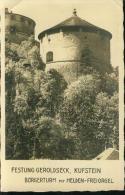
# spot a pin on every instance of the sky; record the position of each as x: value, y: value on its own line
x: 106, y: 14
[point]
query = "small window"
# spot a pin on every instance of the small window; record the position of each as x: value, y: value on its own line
x: 12, y: 29
x: 12, y: 17
x: 26, y: 22
x: 83, y: 55
x: 22, y: 19
x: 49, y: 56
x: 49, y: 39
x: 30, y: 22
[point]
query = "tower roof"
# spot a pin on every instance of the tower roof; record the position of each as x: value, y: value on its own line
x: 74, y: 22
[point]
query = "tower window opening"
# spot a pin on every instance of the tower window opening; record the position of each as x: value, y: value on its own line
x: 12, y: 29
x: 30, y: 22
x: 22, y: 19
x: 49, y: 56
x: 49, y: 39
x: 12, y: 17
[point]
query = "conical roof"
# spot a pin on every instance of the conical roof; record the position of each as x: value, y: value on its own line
x: 74, y: 22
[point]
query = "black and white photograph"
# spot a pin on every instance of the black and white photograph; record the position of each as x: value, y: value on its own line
x: 61, y: 89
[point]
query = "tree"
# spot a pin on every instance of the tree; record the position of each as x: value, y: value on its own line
x: 52, y: 86
x: 20, y: 97
x: 106, y: 117
x: 109, y: 83
x: 30, y: 51
x: 77, y: 111
x: 90, y: 115
x: 30, y: 94
x: 47, y: 142
x: 46, y: 118
x: 77, y: 98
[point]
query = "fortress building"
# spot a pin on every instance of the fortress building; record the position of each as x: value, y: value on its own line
x: 74, y: 44
x: 17, y: 27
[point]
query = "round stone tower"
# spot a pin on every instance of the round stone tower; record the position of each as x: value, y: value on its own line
x: 17, y: 27
x: 74, y: 44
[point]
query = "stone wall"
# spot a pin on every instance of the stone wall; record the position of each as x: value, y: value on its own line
x: 70, y: 70
x: 68, y: 50
x: 18, y: 27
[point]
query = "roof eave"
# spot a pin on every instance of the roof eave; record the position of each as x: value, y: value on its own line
x: 51, y: 30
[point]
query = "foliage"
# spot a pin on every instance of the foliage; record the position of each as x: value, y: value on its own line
x: 109, y: 83
x: 47, y: 140
x: 30, y: 94
x: 106, y: 117
x: 46, y: 118
x: 91, y: 115
x: 51, y: 90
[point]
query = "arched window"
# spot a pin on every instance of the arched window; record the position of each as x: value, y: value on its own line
x: 49, y: 56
